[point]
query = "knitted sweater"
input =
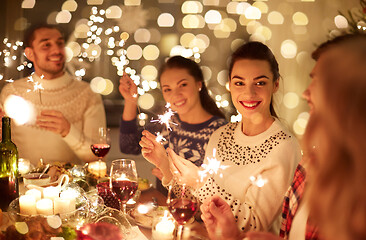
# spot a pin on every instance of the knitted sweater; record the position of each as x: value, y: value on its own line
x: 273, y: 154
x: 74, y: 99
x: 187, y: 140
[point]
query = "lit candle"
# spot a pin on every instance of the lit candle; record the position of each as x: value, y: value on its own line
x: 51, y: 192
x: 61, y: 206
x: 45, y: 206
x: 27, y: 205
x: 34, y: 192
x: 69, y: 195
x: 164, y: 229
x: 98, y: 168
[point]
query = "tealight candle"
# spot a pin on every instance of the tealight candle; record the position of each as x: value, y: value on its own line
x: 45, y: 206
x: 164, y: 228
x: 61, y: 206
x: 71, y: 196
x: 98, y: 168
x: 51, y: 192
x: 34, y: 192
x: 27, y: 205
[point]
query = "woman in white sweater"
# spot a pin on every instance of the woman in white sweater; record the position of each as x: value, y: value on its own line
x: 257, y: 147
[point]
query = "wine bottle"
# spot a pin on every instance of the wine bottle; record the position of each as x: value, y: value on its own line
x: 8, y: 167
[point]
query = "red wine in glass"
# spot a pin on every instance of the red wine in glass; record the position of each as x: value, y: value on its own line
x: 124, y: 189
x: 183, y: 209
x: 100, y: 149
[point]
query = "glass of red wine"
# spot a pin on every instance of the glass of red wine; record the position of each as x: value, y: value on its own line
x: 101, y: 143
x: 123, y: 180
x: 183, y: 205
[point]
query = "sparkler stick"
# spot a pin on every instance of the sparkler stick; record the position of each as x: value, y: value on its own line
x: 36, y: 86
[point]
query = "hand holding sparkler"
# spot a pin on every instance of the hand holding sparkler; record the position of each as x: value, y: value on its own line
x: 219, y: 219
x: 53, y: 121
x: 154, y: 152
x: 128, y: 88
x: 184, y: 171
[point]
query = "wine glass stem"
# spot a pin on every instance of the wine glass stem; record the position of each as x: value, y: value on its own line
x: 180, y: 232
x: 123, y: 208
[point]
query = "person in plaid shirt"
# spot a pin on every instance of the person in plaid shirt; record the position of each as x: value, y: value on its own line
x: 296, y: 221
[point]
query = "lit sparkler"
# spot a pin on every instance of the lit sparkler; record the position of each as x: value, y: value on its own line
x: 211, y: 167
x: 166, y: 117
x: 36, y: 86
x: 159, y: 137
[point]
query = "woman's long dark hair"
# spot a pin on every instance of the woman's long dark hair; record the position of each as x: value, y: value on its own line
x: 195, y: 71
x: 257, y: 51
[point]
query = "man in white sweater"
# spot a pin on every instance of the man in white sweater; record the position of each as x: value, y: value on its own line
x: 66, y: 109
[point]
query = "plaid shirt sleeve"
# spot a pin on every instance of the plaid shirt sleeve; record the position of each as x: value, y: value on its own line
x: 291, y: 203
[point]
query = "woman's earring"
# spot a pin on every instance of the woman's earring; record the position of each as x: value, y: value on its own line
x: 199, y: 89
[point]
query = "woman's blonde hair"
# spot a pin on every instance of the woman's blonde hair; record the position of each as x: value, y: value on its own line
x: 335, y: 138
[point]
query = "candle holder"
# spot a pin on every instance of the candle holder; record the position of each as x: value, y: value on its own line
x: 163, y: 225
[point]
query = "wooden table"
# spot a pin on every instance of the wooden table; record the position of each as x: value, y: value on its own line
x: 146, y: 196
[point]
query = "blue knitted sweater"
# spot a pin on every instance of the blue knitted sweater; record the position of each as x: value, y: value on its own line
x: 187, y: 140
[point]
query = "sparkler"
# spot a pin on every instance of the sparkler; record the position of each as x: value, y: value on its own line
x: 159, y: 137
x: 211, y: 167
x: 166, y: 119
x: 36, y: 86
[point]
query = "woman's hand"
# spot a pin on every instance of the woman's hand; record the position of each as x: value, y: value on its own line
x: 219, y: 220
x: 184, y: 171
x: 128, y: 88
x: 155, y: 153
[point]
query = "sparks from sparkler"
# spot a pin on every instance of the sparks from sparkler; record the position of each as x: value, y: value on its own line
x: 166, y: 119
x: 159, y: 137
x: 36, y: 86
x: 211, y: 167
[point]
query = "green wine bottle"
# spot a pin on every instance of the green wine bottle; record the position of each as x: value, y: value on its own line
x: 8, y: 167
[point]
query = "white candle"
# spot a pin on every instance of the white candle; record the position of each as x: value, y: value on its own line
x: 27, y: 205
x: 34, y: 192
x: 98, y: 168
x: 45, y: 206
x: 61, y: 206
x: 164, y: 229
x: 50, y: 192
x: 71, y: 196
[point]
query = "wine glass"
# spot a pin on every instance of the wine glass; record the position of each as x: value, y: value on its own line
x: 123, y: 180
x: 183, y: 205
x: 101, y: 143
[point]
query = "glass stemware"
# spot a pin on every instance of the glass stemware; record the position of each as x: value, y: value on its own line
x: 101, y: 143
x: 123, y: 180
x: 183, y: 205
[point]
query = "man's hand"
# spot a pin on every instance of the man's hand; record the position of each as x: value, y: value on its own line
x: 54, y: 121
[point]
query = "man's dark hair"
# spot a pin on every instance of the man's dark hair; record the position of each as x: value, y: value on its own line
x: 29, y: 34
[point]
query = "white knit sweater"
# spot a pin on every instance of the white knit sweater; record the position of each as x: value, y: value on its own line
x: 75, y: 100
x: 273, y: 154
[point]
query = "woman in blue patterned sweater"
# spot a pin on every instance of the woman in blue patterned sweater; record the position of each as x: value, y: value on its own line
x: 196, y: 118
